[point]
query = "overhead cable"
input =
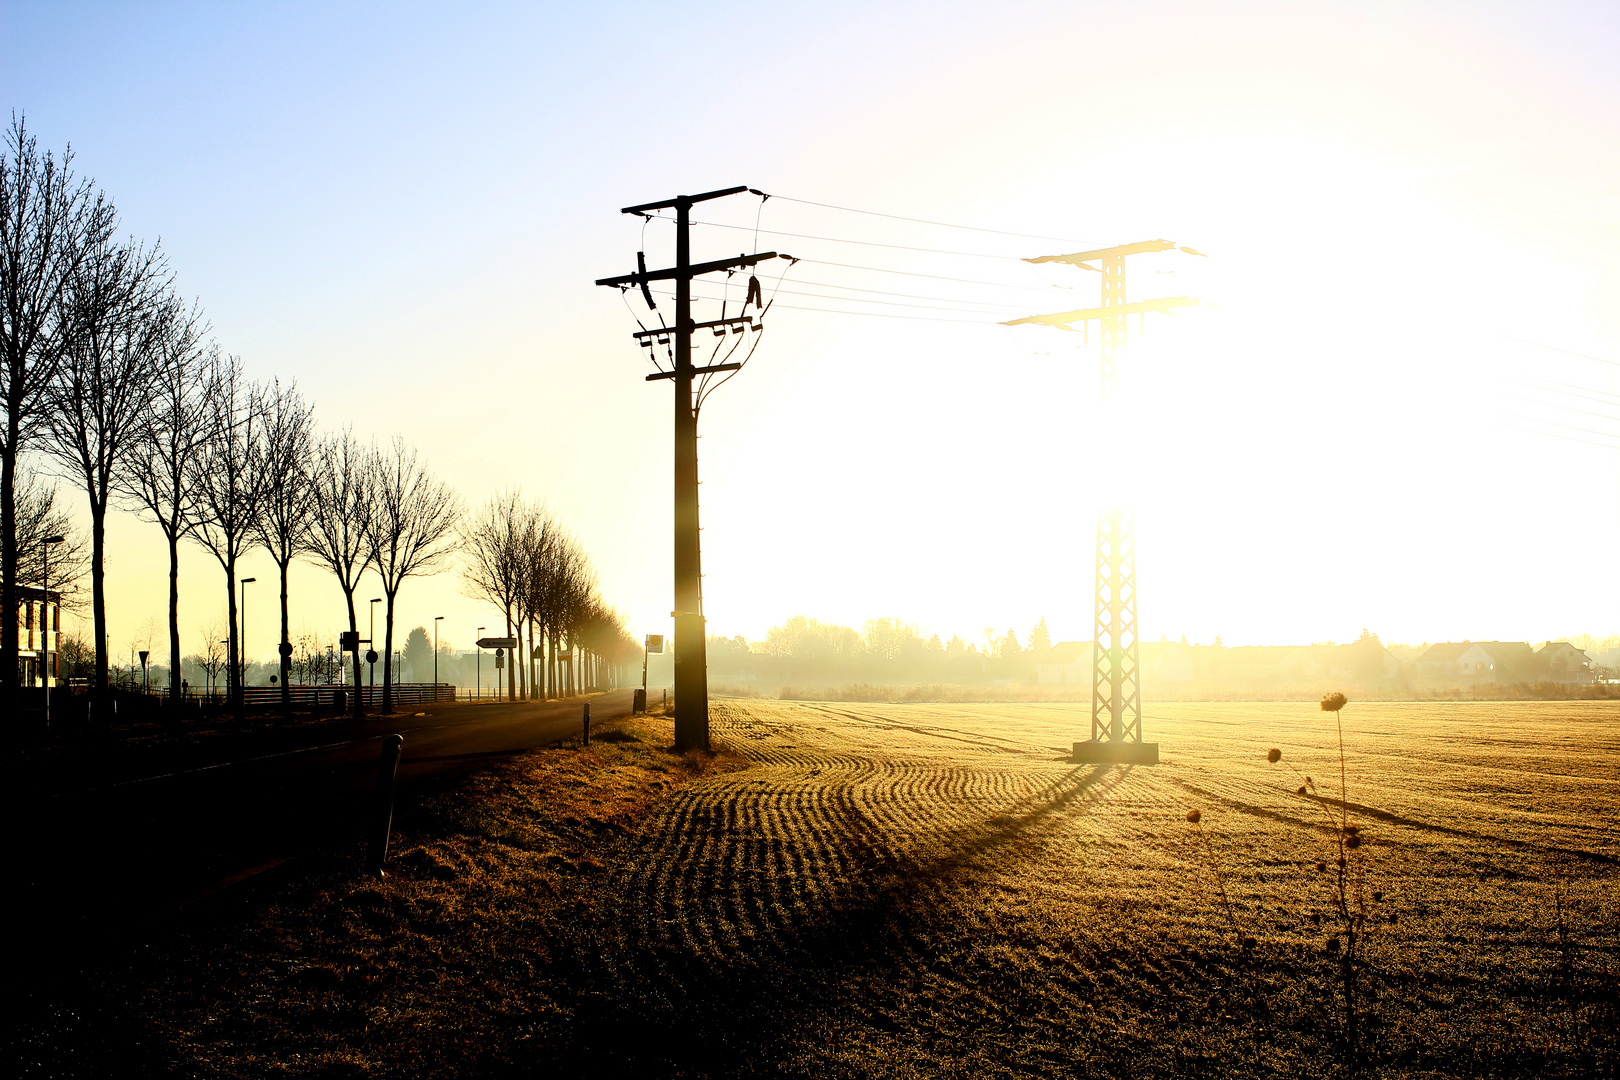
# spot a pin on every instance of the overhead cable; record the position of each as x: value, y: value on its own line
x: 924, y: 221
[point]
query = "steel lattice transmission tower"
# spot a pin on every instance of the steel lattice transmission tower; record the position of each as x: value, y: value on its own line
x: 1116, y: 688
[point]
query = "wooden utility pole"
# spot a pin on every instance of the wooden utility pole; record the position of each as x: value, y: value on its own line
x: 691, y: 662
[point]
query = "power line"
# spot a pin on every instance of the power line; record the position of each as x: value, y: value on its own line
x: 841, y: 240
x: 1589, y: 393
x: 890, y: 303
x: 868, y: 314
x: 1571, y: 427
x: 1566, y: 438
x: 1047, y: 290
x: 1555, y: 348
x: 1566, y: 408
x: 924, y: 221
x: 909, y: 296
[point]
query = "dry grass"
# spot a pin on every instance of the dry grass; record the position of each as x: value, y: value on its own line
x: 911, y: 890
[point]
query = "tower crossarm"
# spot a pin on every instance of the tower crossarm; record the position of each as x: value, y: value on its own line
x: 1063, y: 318
x: 1081, y: 257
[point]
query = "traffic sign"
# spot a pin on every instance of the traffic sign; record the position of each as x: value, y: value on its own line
x: 497, y: 643
x: 655, y: 643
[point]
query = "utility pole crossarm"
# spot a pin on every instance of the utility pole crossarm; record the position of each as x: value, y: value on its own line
x: 655, y: 376
x: 693, y: 271
x: 686, y: 200
x: 1136, y: 307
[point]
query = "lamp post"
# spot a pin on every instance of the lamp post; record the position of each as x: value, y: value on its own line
x: 45, y: 631
x: 241, y: 680
x: 212, y: 682
x: 478, y: 664
x: 437, y: 619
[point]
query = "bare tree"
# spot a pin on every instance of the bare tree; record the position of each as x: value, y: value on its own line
x: 493, y: 569
x: 344, y: 488
x: 413, y: 532
x: 39, y: 516
x: 48, y: 220
x: 120, y: 309
x: 158, y: 481
x: 227, y: 479
x: 289, y: 501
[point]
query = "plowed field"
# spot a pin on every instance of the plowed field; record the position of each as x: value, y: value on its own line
x: 928, y: 888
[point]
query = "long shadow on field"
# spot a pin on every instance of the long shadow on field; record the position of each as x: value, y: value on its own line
x: 683, y: 1003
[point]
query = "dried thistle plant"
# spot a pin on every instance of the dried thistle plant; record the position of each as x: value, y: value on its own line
x: 1349, y: 917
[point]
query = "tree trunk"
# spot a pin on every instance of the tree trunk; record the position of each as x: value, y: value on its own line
x: 9, y: 680
x: 354, y: 636
x: 98, y: 605
x: 507, y: 674
x: 285, y: 654
x: 388, y: 657
x: 233, y: 675
x: 174, y: 622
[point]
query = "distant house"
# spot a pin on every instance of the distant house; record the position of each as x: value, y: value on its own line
x: 1166, y: 662
x: 1066, y: 662
x: 1478, y: 661
x: 1564, y: 663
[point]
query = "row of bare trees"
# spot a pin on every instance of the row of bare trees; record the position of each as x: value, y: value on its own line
x: 107, y: 374
x: 517, y: 558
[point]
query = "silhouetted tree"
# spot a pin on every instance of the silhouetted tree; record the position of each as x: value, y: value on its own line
x: 227, y: 477
x: 285, y: 528
x: 39, y: 516
x: 413, y: 532
x: 345, y: 499
x: 419, y: 654
x: 494, y: 553
x: 158, y: 480
x: 121, y: 311
x: 48, y: 221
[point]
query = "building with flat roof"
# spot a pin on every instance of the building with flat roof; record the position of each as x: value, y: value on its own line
x: 39, y: 631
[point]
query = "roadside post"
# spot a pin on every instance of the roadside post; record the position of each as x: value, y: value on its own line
x: 654, y: 643
x: 501, y: 645
x: 587, y: 723
x: 382, y: 816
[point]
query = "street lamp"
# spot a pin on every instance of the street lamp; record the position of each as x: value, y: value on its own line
x: 478, y: 664
x: 437, y: 619
x: 371, y: 642
x: 241, y: 681
x: 45, y: 631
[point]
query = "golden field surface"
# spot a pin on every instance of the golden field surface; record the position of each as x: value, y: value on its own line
x: 855, y: 890
x: 971, y: 903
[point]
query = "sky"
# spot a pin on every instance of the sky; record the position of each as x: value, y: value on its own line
x: 1398, y: 406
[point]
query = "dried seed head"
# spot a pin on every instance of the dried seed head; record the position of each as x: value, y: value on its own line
x: 1194, y: 816
x: 1352, y: 841
x: 1274, y: 755
x: 1321, y: 868
x: 1352, y: 829
x: 1392, y: 917
x: 1248, y: 943
x: 1334, y: 702
x: 1333, y: 945
x: 1301, y: 790
x: 1378, y: 898
x: 1316, y: 918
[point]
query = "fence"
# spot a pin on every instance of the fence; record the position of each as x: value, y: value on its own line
x: 307, y: 697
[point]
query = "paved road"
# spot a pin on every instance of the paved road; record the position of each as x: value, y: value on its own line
x: 136, y: 841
